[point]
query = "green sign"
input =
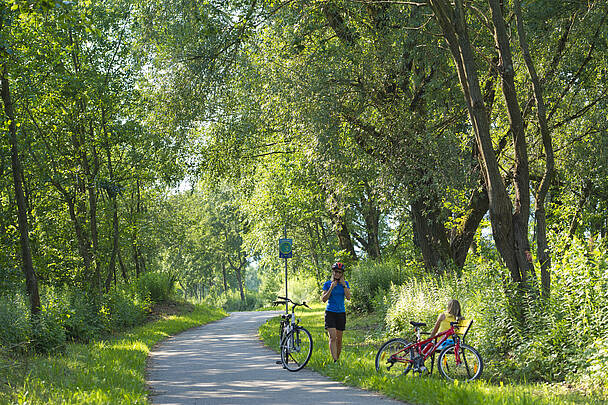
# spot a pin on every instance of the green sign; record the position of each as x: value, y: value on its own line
x: 285, y: 248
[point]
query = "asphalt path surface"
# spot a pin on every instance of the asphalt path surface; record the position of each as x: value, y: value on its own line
x: 224, y: 362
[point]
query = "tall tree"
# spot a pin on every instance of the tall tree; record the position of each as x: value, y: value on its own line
x: 26, y: 251
x: 509, y: 218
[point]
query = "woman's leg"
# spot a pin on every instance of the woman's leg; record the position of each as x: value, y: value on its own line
x: 333, y: 342
x: 338, y: 343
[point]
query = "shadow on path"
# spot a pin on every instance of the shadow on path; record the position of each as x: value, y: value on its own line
x: 224, y: 362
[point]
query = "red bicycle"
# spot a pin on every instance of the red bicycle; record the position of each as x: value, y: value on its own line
x: 456, y: 361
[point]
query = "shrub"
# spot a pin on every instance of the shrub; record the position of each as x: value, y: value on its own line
x: 231, y: 301
x: 124, y: 309
x: 421, y: 301
x: 68, y: 314
x: 270, y: 284
x: 553, y: 342
x: 82, y: 316
x: 48, y: 334
x: 156, y: 286
x: 370, y: 281
x: 597, y: 368
x: 300, y: 289
x: 508, y: 349
x: 15, y: 327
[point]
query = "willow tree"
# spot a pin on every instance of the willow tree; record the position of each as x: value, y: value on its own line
x: 366, y: 77
x: 509, y: 214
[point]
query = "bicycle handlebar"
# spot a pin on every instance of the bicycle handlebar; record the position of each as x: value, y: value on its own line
x: 285, y: 300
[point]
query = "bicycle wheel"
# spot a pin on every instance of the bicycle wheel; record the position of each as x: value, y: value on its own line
x: 467, y: 366
x: 296, y: 349
x: 392, y: 359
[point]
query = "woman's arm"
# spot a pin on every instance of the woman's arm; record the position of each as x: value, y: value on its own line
x: 327, y: 293
x: 346, y: 288
x: 440, y: 318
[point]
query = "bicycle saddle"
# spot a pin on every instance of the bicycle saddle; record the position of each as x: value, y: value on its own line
x: 417, y: 324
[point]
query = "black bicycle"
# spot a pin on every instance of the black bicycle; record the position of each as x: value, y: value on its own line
x: 295, y: 340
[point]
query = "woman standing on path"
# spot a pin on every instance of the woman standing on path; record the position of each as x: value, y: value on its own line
x: 334, y: 292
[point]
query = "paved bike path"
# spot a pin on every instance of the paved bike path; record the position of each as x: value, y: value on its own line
x: 224, y: 362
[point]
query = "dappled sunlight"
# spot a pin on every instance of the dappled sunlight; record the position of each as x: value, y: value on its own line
x: 134, y: 345
x: 210, y: 363
x: 357, y: 368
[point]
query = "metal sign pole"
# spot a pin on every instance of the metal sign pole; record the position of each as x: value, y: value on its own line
x: 286, y: 296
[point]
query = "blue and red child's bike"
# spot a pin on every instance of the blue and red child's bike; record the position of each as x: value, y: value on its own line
x: 456, y: 360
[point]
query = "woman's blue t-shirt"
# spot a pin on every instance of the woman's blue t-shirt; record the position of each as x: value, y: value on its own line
x: 335, y: 303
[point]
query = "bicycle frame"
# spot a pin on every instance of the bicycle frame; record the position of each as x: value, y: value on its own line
x: 420, y: 344
x: 291, y: 337
x: 288, y: 320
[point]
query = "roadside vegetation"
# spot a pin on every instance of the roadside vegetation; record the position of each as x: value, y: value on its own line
x: 563, y: 343
x: 151, y: 146
x: 366, y: 332
x: 109, y: 370
x: 560, y: 356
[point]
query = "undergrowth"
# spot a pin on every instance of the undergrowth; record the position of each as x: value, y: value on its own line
x: 356, y: 367
x: 108, y: 371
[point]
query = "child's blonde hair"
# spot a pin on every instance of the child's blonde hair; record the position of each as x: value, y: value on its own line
x: 454, y: 309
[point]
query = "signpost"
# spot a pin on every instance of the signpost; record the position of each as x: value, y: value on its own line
x: 285, y: 252
x: 285, y: 248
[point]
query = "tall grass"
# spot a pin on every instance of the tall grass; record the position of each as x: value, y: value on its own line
x: 561, y: 342
x: 371, y: 281
x: 561, y: 339
x: 101, y: 372
x: 70, y: 314
x: 356, y: 368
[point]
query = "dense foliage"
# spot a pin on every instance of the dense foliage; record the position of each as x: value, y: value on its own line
x: 440, y: 149
x: 111, y: 371
x: 563, y: 340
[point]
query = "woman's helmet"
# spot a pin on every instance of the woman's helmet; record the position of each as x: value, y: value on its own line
x: 338, y: 266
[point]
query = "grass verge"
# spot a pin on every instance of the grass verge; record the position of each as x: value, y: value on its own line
x: 356, y: 368
x: 110, y: 371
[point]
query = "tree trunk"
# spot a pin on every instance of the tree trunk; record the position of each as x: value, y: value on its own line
x: 123, y: 269
x: 113, y: 193
x: 463, y: 238
x: 79, y: 137
x: 91, y: 174
x: 31, y: 280
x: 239, y: 279
x: 429, y: 231
x: 430, y: 235
x: 241, y: 261
x: 224, y: 277
x: 135, y: 249
x: 87, y: 185
x: 83, y: 243
x: 345, y: 242
x: 112, y: 264
x: 136, y: 260
x: 543, y: 188
x: 585, y: 192
x: 371, y: 215
x: 509, y: 226
x: 144, y: 268
x: 521, y: 173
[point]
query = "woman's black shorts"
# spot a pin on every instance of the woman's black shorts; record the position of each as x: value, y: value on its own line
x: 335, y: 320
